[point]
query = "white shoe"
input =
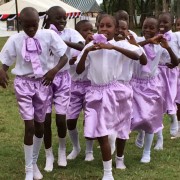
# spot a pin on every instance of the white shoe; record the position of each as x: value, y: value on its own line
x: 140, y: 140
x: 108, y: 177
x: 159, y: 145
x: 62, y: 161
x: 73, y: 154
x: 174, y: 128
x: 89, y: 156
x: 176, y: 136
x: 49, y: 163
x: 29, y: 173
x: 145, y: 159
x: 120, y: 163
x: 36, y: 173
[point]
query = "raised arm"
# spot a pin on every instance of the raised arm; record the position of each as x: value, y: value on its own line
x: 78, y: 46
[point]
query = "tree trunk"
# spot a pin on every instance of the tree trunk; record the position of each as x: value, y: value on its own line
x: 172, y: 8
x: 165, y: 6
x: 178, y: 8
x: 156, y: 8
x: 131, y: 9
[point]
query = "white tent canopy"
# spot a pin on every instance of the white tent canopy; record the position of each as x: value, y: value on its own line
x: 40, y: 5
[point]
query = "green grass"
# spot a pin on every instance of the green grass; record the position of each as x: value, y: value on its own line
x: 164, y: 165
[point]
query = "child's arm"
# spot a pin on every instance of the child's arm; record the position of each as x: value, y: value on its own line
x: 49, y: 76
x: 130, y: 54
x: 4, y: 76
x: 78, y: 46
x: 174, y: 59
x: 81, y: 65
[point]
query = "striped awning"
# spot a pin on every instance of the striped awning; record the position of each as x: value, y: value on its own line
x: 8, y: 10
x: 84, y: 6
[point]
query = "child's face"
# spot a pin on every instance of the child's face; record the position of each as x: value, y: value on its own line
x: 150, y: 28
x: 178, y: 24
x: 58, y: 19
x: 30, y: 25
x: 165, y: 23
x: 123, y: 28
x: 86, y: 29
x: 107, y: 27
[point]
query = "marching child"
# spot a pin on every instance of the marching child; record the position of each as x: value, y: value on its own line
x: 148, y: 100
x: 103, y: 62
x: 33, y: 76
x: 79, y: 85
x: 56, y: 20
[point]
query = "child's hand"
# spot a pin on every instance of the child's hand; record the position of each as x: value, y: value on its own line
x: 169, y: 65
x: 89, y: 38
x: 73, y: 60
x: 156, y: 39
x: 94, y: 47
x: 164, y: 43
x: 3, y: 78
x: 131, y: 39
x: 48, y: 77
x: 106, y: 46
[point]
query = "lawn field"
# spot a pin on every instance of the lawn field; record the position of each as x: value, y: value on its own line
x: 164, y: 165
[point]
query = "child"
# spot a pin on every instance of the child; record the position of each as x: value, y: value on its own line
x: 177, y: 26
x: 31, y: 54
x: 103, y: 62
x: 125, y: 78
x: 168, y: 76
x: 56, y: 20
x: 79, y: 85
x: 148, y: 100
x: 123, y: 15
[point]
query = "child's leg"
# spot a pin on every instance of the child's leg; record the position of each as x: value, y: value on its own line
x: 174, y: 124
x: 112, y: 142
x: 106, y: 156
x: 140, y: 139
x: 61, y: 128
x: 147, y: 148
x: 48, y: 143
x: 37, y: 142
x: 159, y: 144
x: 73, y: 134
x: 120, y: 144
x: 28, y: 148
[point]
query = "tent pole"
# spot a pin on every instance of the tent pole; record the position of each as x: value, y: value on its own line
x: 17, y: 18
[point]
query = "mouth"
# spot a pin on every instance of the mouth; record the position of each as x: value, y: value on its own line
x: 161, y: 28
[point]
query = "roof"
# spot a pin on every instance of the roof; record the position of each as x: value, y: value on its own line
x: 84, y: 5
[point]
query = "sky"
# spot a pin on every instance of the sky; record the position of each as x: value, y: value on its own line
x: 99, y: 1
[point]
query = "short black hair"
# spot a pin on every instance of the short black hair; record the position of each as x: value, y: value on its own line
x: 28, y: 11
x: 80, y: 23
x: 168, y: 14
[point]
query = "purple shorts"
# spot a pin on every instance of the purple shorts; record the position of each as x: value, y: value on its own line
x: 147, y: 105
x: 77, y: 99
x: 32, y: 98
x: 108, y: 110
x: 60, y: 93
x: 169, y: 79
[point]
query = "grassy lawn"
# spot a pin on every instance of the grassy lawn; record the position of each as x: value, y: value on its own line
x: 165, y: 164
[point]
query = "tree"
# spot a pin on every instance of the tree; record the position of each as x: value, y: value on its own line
x: 178, y: 8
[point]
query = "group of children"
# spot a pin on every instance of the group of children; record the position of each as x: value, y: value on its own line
x: 122, y: 83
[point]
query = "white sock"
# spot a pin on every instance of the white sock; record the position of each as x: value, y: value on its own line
x: 112, y: 142
x: 147, y: 148
x: 140, y: 139
x: 73, y: 134
x: 178, y: 125
x: 89, y: 150
x: 49, y: 160
x: 62, y: 152
x: 28, y: 152
x: 120, y: 163
x: 159, y: 144
x: 107, y: 170
x: 174, y: 124
x: 37, y: 142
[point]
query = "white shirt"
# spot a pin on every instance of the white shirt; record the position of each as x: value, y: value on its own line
x: 173, y: 43
x: 11, y: 52
x: 178, y: 42
x: 69, y: 35
x: 160, y: 52
x: 105, y: 66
